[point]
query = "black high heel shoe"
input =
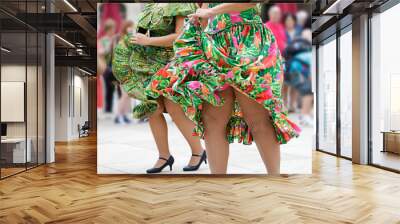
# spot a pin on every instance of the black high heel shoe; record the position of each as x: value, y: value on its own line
x: 168, y: 162
x: 196, y: 167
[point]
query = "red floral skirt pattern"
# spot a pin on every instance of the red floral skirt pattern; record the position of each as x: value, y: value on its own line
x: 244, y: 56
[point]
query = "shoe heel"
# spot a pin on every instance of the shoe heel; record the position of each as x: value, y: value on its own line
x: 170, y: 167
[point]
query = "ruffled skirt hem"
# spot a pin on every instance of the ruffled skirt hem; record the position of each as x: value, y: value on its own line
x: 123, y: 73
x: 192, y: 78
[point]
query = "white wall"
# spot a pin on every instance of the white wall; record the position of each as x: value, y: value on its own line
x: 13, y: 101
x: 71, y: 94
x: 33, y: 126
x: 14, y: 73
x: 11, y: 73
x: 80, y: 109
x: 61, y: 103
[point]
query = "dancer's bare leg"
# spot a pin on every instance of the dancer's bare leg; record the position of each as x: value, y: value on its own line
x: 294, y: 95
x: 185, y: 125
x: 307, y: 105
x: 159, y: 128
x: 285, y: 93
x: 260, y: 124
x: 124, y: 103
x: 215, y: 120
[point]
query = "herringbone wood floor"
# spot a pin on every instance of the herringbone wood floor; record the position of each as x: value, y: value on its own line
x: 70, y: 191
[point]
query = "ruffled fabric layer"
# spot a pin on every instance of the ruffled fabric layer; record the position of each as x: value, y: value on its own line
x: 244, y: 56
x: 134, y: 65
x: 132, y: 83
x: 159, y: 16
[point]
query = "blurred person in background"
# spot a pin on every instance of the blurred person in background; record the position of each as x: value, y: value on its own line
x: 303, y: 19
x: 307, y: 101
x: 292, y: 30
x: 114, y: 13
x: 124, y: 103
x: 289, y: 94
x: 138, y: 56
x: 276, y: 26
x: 105, y: 51
x: 285, y: 9
x: 298, y: 74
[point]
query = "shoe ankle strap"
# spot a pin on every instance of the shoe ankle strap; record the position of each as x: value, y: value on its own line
x: 200, y: 154
x: 163, y: 158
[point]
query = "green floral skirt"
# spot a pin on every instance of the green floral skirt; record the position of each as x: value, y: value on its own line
x: 134, y: 66
x: 244, y: 56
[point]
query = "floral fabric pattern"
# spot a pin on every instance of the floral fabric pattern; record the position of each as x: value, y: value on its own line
x: 235, y: 50
x: 134, y: 65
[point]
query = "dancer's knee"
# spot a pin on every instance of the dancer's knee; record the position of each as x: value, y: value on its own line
x: 214, y: 122
x: 259, y: 125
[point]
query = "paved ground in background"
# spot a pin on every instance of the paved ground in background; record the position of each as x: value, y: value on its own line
x: 130, y: 149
